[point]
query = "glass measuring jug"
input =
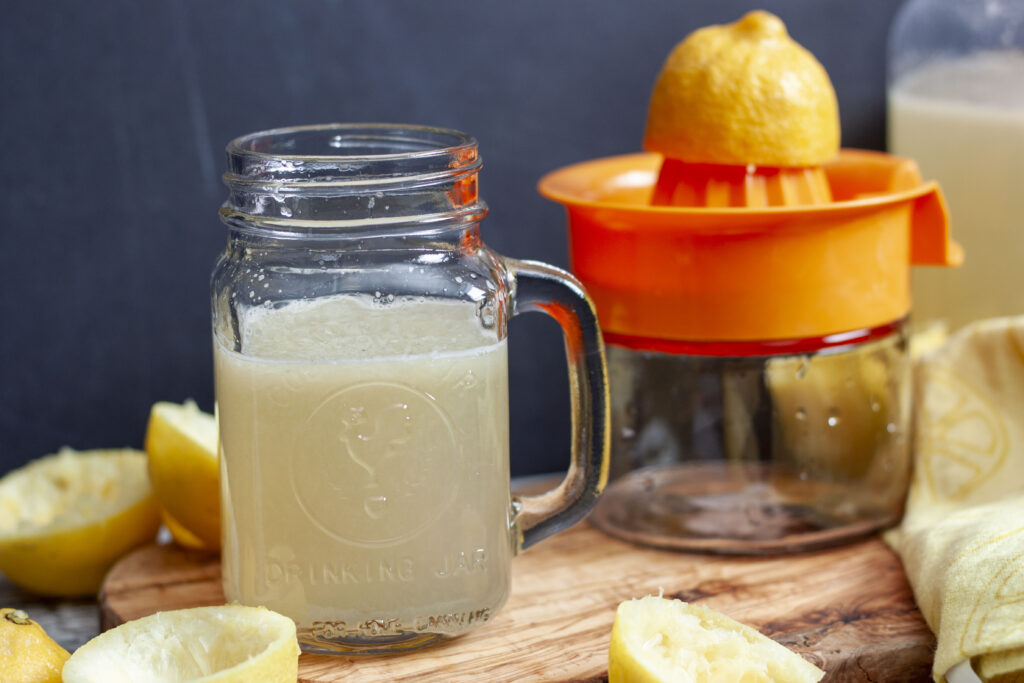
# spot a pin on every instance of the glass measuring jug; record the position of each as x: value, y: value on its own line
x: 360, y: 353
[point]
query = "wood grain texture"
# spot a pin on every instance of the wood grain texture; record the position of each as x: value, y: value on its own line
x: 849, y: 610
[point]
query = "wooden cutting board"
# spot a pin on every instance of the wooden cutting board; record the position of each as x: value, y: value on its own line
x: 848, y: 610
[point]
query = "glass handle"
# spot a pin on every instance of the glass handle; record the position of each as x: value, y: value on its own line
x: 540, y: 287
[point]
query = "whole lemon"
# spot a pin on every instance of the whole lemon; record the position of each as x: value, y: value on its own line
x: 743, y: 93
x: 27, y: 654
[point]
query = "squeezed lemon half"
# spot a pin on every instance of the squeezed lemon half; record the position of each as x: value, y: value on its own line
x: 743, y: 93
x: 225, y: 644
x: 27, y: 653
x: 66, y: 518
x: 655, y: 640
x: 181, y: 442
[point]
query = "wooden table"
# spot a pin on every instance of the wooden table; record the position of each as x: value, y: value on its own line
x: 849, y: 610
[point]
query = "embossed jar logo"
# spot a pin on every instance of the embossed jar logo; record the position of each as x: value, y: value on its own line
x: 366, y: 466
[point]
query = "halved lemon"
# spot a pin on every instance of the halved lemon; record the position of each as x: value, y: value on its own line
x: 27, y: 653
x: 181, y: 442
x: 743, y: 93
x: 655, y: 640
x: 227, y: 644
x: 66, y: 518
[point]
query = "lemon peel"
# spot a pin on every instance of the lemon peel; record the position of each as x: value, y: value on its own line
x: 66, y: 518
x: 181, y: 443
x: 656, y: 640
x: 220, y: 644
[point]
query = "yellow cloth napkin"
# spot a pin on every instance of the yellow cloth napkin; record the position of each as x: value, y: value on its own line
x: 962, y: 538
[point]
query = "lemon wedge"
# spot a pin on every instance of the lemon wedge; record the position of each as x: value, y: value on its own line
x: 226, y: 644
x: 27, y: 654
x: 181, y: 442
x: 743, y: 93
x: 655, y: 640
x: 66, y: 518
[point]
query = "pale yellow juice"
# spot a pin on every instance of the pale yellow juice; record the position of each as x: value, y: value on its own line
x: 365, y: 466
x: 963, y: 121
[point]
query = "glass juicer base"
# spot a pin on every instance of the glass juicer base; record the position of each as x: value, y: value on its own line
x: 758, y: 454
x: 721, y: 509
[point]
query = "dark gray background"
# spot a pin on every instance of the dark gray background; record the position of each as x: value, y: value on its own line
x: 114, y: 115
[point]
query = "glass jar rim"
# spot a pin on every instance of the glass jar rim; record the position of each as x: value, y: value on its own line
x: 328, y: 178
x: 349, y: 150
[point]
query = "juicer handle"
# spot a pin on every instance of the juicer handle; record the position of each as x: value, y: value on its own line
x: 540, y: 287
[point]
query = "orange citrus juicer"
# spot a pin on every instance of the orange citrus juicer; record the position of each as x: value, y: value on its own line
x: 752, y: 281
x: 746, y: 223
x: 745, y: 274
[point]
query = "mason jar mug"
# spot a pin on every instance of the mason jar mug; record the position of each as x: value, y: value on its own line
x: 360, y: 346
